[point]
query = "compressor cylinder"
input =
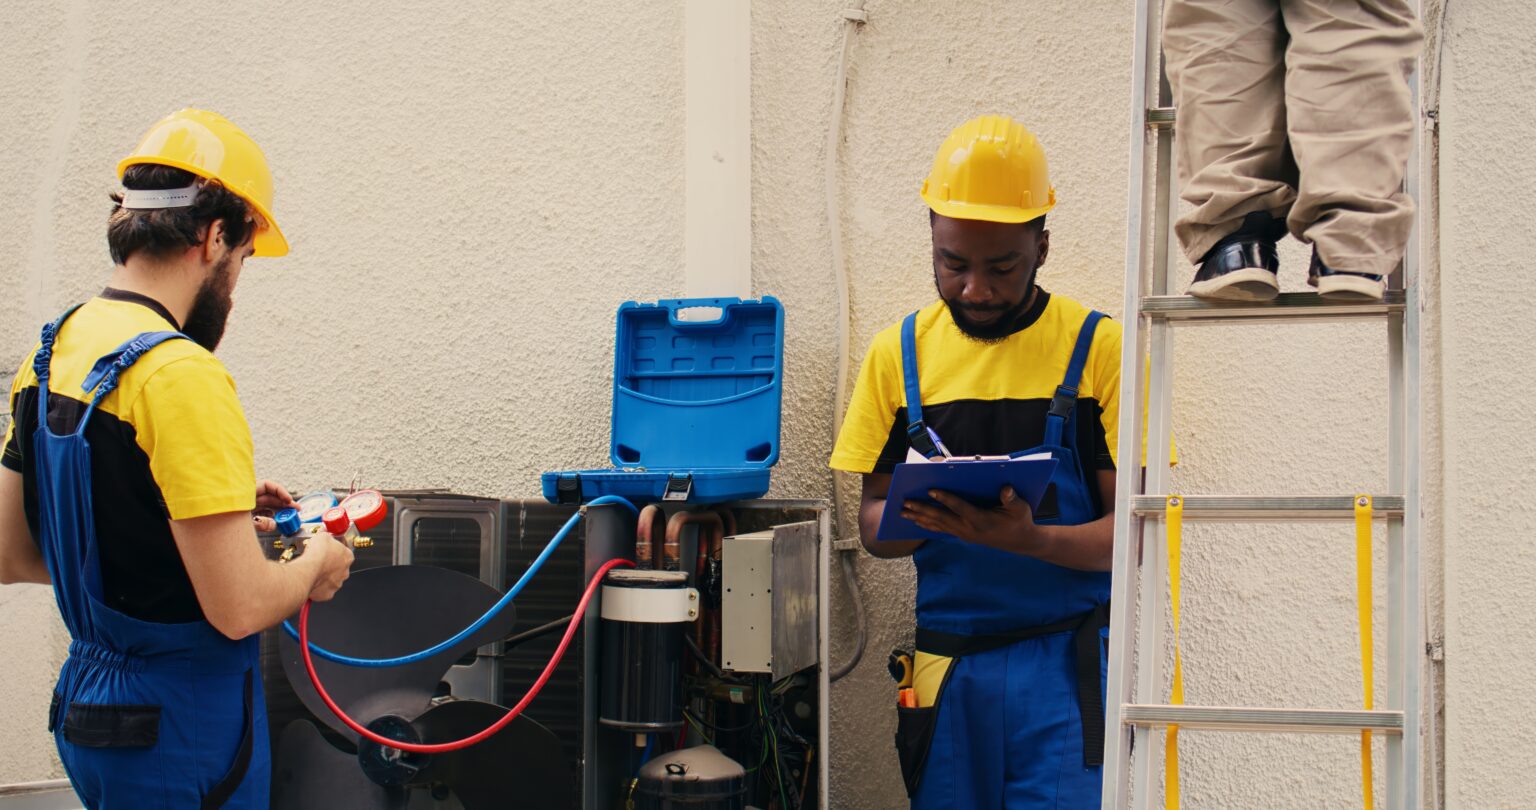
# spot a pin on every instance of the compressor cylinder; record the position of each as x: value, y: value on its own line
x: 698, y: 778
x: 644, y: 616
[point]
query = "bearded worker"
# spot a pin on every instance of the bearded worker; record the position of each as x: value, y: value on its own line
x: 128, y: 485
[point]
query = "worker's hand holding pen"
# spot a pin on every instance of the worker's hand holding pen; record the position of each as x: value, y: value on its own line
x: 1007, y: 525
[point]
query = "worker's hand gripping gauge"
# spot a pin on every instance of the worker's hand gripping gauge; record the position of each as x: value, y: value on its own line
x: 365, y: 508
x: 313, y: 506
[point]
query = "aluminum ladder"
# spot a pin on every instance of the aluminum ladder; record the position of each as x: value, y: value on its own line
x: 1134, y: 706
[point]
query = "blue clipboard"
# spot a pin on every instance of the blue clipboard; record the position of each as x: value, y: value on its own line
x: 979, y: 482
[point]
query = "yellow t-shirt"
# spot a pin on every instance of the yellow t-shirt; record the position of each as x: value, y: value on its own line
x: 170, y: 443
x: 985, y: 398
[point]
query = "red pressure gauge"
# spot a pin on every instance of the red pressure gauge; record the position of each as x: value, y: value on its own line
x: 365, y: 508
x: 336, y: 521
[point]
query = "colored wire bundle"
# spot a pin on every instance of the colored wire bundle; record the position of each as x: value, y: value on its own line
x: 780, y: 749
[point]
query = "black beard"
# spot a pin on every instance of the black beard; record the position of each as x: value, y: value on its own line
x: 995, y: 331
x: 210, y: 308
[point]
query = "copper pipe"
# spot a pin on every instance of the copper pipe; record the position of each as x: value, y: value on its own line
x: 653, y: 524
x: 711, y: 533
x: 672, y: 548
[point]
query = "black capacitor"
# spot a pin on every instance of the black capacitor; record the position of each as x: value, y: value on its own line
x: 644, y: 617
x: 699, y: 778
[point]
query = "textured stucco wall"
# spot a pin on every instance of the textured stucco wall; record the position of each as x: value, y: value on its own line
x: 474, y: 188
x: 471, y: 190
x: 1487, y: 114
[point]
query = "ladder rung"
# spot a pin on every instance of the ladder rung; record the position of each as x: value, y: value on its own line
x: 1287, y: 306
x: 1220, y: 718
x: 1160, y: 117
x: 1227, y: 507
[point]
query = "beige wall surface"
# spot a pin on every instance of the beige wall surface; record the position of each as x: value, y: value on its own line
x: 472, y: 189
x: 1487, y: 115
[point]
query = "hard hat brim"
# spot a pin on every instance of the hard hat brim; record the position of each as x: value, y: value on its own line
x: 985, y: 213
x: 269, y: 241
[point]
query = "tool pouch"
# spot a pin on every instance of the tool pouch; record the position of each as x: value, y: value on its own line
x: 915, y: 728
x: 914, y: 736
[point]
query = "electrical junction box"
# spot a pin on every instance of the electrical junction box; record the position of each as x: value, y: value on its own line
x: 697, y: 385
x: 768, y: 603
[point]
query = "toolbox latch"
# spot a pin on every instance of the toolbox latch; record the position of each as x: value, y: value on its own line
x: 679, y: 487
x: 568, y: 488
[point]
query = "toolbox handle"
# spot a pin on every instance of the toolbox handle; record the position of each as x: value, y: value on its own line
x: 678, y: 306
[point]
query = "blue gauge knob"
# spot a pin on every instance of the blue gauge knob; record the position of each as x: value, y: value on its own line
x: 288, y: 522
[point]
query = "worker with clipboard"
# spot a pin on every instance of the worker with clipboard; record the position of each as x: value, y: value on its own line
x: 1012, y: 585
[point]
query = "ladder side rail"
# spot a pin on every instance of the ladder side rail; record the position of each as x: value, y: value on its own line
x: 1405, y: 631
x: 1154, y: 565
x: 1395, y: 547
x: 1154, y: 568
x: 1128, y: 479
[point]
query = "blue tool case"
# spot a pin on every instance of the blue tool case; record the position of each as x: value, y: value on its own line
x: 695, y: 404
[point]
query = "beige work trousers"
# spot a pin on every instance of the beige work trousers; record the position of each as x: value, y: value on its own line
x: 1300, y: 108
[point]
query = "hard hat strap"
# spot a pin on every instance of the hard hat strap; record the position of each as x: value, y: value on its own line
x: 140, y: 199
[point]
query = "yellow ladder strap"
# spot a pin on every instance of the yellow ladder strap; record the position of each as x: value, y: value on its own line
x: 1363, y: 599
x: 1175, y: 529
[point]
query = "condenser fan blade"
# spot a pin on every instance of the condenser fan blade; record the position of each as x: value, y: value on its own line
x: 383, y: 613
x: 308, y: 773
x: 521, y: 766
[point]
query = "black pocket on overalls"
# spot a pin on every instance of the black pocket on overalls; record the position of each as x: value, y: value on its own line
x: 914, y: 736
x: 100, y: 725
x: 915, y: 728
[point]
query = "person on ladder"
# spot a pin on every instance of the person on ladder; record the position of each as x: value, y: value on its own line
x: 1012, y: 617
x: 128, y: 485
x: 1292, y: 115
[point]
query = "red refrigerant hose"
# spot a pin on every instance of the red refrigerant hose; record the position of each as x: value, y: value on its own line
x: 443, y: 748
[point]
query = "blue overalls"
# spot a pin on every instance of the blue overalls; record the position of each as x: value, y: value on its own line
x: 1018, y: 718
x: 145, y: 715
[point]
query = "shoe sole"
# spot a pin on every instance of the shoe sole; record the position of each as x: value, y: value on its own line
x: 1247, y: 284
x: 1348, y: 287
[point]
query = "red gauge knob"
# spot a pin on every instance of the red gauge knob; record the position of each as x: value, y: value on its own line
x: 336, y: 520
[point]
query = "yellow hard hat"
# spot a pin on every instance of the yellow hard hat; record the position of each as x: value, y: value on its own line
x: 208, y: 145
x: 990, y: 168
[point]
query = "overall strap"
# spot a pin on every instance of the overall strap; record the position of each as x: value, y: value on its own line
x: 43, y: 358
x: 104, y: 375
x: 922, y: 438
x: 44, y: 354
x: 1065, y: 399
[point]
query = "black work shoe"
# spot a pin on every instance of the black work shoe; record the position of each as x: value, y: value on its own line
x: 1241, y: 269
x: 1340, y: 285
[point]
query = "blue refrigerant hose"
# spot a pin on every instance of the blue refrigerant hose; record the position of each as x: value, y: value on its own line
x: 554, y: 543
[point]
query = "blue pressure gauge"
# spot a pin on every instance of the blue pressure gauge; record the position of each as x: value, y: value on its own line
x: 313, y: 506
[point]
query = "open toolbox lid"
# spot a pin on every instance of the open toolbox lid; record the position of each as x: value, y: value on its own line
x: 697, y: 388
x: 698, y: 394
